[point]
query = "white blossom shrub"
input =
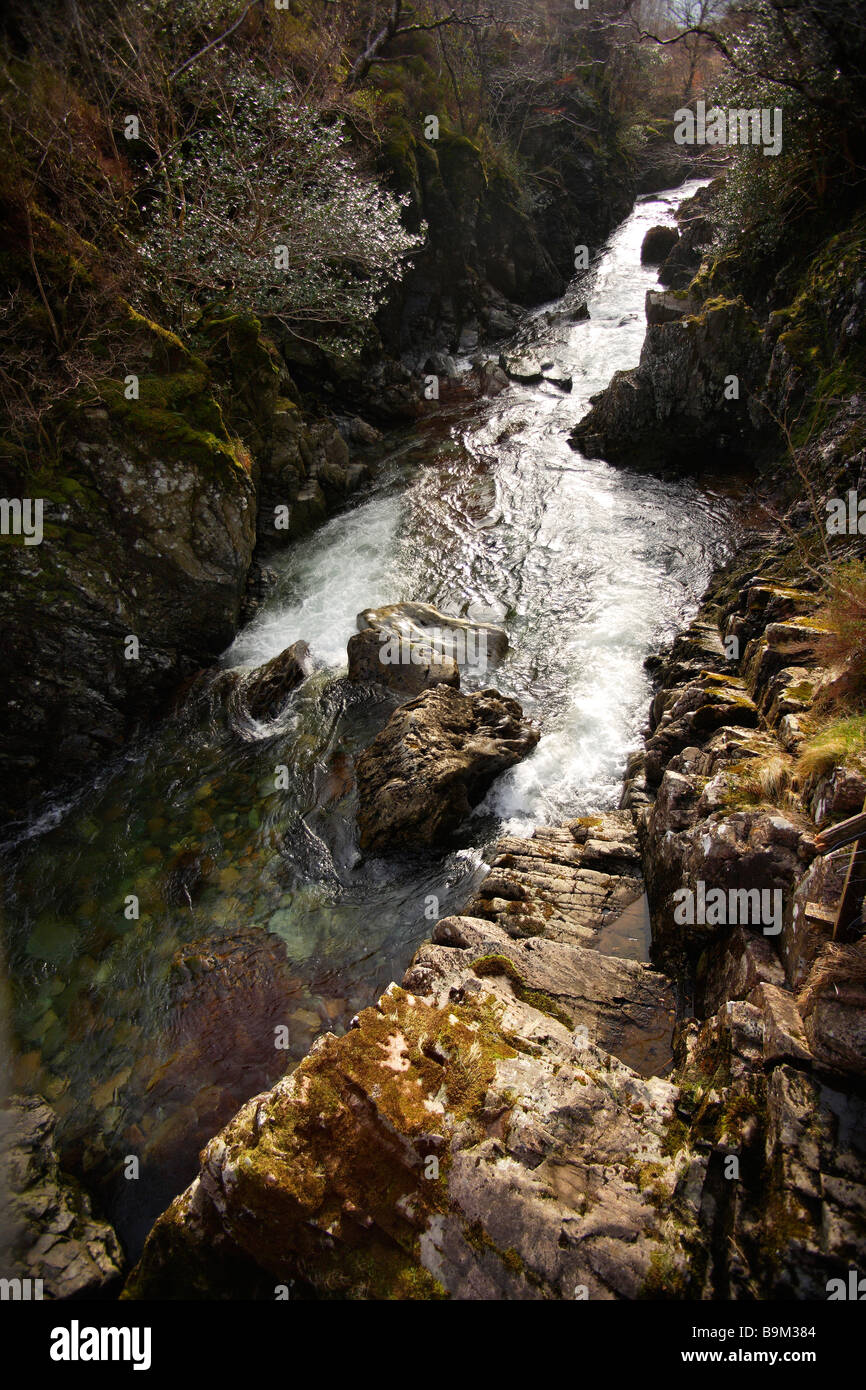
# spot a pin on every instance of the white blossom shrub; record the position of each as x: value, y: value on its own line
x: 269, y: 206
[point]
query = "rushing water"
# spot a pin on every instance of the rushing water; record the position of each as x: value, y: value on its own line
x: 483, y: 510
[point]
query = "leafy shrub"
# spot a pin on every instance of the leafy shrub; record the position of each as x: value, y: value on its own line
x: 268, y: 173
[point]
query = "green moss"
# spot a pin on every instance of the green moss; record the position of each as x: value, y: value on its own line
x: 535, y: 998
x: 664, y: 1280
x: 176, y: 417
x: 676, y: 1136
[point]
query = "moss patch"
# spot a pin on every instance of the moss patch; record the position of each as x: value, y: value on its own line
x: 535, y: 998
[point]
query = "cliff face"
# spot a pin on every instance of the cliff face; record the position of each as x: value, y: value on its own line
x: 493, y: 245
x: 737, y: 364
x: 152, y: 505
x: 725, y: 805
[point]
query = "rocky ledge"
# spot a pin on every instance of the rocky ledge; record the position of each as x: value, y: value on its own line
x: 478, y: 1133
x: 529, y: 1115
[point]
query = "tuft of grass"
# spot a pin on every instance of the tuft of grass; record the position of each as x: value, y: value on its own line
x: 843, y: 644
x: 761, y: 781
x: 841, y: 743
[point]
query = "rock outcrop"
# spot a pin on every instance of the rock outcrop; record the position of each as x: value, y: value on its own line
x: 434, y: 760
x: 692, y: 396
x: 657, y: 244
x: 48, y: 1230
x: 474, y: 1135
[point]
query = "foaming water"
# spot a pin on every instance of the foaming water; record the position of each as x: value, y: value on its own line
x: 227, y: 831
x: 591, y: 566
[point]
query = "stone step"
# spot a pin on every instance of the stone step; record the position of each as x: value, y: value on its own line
x: 565, y: 882
x: 620, y: 1006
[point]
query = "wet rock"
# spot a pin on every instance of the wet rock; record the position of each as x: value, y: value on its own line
x: 434, y: 760
x: 523, y: 368
x: 683, y: 261
x: 152, y: 526
x: 668, y: 306
x: 360, y: 432
x: 468, y: 340
x: 423, y: 1155
x: 493, y: 379
x: 501, y: 323
x: 557, y: 375
x: 50, y: 1232
x: 226, y: 996
x: 418, y: 668
x: 472, y: 644
x: 657, y: 243
x: 260, y: 693
x: 442, y: 364
x: 267, y: 687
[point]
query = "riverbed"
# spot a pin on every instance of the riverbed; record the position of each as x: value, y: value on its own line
x: 485, y: 511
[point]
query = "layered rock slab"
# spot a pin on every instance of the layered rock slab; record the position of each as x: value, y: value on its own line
x: 474, y: 1135
x: 564, y: 882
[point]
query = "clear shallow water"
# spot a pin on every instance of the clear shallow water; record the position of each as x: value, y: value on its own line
x: 484, y: 509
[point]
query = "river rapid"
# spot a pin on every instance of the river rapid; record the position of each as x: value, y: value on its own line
x: 484, y: 510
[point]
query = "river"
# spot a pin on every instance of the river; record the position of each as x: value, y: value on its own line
x: 483, y: 510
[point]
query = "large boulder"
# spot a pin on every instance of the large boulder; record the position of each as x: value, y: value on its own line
x: 473, y: 645
x: 434, y: 761
x: 469, y: 1144
x: 417, y: 668
x: 692, y: 397
x: 657, y: 243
